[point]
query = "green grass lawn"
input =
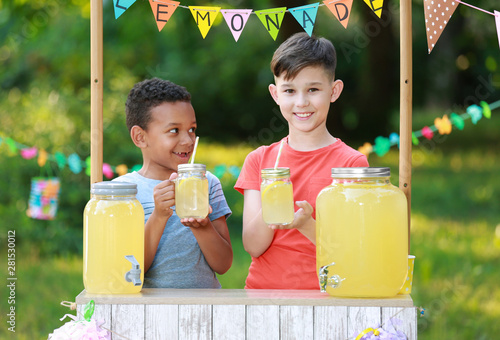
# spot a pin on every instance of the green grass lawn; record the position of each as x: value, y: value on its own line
x: 455, y: 237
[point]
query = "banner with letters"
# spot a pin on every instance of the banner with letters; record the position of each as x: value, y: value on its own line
x: 437, y: 15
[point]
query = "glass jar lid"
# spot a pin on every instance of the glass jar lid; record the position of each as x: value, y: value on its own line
x: 113, y: 188
x: 191, y: 167
x: 278, y: 172
x: 361, y: 172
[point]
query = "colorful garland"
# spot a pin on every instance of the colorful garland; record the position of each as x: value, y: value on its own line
x: 442, y: 125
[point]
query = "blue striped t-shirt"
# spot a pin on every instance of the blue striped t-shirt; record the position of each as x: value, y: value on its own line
x: 179, y: 262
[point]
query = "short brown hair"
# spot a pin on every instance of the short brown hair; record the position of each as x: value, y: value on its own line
x: 300, y: 51
x: 148, y: 94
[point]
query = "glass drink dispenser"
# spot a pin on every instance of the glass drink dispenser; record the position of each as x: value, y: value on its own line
x: 361, y: 234
x: 113, y: 240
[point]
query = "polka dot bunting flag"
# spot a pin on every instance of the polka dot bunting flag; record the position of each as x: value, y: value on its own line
x: 437, y: 15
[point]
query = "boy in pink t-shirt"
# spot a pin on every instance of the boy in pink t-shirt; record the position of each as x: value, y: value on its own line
x: 284, y: 256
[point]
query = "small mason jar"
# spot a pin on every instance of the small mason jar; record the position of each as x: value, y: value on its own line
x: 113, y: 242
x: 277, y: 196
x: 191, y: 191
x: 361, y: 234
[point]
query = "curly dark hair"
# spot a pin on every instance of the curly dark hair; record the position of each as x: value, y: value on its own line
x: 300, y: 51
x: 148, y: 94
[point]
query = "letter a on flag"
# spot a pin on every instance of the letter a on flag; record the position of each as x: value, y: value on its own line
x: 272, y: 19
x: 121, y: 6
x: 236, y: 19
x: 437, y: 14
x: 204, y: 17
x: 163, y: 11
x: 376, y: 6
x: 306, y: 16
x: 341, y: 9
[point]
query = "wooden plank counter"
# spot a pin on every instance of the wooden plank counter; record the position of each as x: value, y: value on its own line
x: 214, y: 314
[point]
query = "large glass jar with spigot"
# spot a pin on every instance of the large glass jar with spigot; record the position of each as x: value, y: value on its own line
x: 361, y: 234
x: 113, y: 239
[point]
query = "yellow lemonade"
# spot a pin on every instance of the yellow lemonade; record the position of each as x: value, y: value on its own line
x: 113, y: 229
x: 277, y: 202
x: 362, y: 228
x: 191, y: 197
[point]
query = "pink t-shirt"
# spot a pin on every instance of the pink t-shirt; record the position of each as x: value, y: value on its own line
x: 290, y: 260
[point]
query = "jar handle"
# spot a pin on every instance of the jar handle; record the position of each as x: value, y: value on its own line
x: 333, y: 281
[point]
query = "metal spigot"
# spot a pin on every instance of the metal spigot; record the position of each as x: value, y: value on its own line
x: 134, y: 274
x: 333, y: 281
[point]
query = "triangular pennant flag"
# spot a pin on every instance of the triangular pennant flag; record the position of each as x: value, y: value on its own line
x: 236, y: 19
x: 376, y: 6
x: 497, y: 21
x: 272, y: 19
x: 341, y: 9
x: 204, y: 17
x: 162, y: 11
x: 437, y: 15
x: 121, y: 6
x: 306, y: 16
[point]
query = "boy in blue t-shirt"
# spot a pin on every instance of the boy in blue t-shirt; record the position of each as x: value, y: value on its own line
x: 178, y: 253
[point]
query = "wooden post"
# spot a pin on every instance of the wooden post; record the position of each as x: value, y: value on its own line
x: 405, y: 124
x: 96, y: 90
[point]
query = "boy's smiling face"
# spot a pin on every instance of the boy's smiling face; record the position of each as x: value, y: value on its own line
x: 169, y: 139
x: 305, y: 100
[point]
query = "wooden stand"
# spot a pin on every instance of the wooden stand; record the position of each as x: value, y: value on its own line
x: 247, y: 314
x: 201, y: 314
x: 96, y: 91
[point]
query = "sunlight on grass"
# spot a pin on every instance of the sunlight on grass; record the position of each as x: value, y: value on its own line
x: 456, y: 275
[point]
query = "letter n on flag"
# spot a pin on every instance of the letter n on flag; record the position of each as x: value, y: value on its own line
x: 121, y: 6
x: 162, y: 11
x: 341, y: 9
x: 272, y: 19
x: 204, y: 17
x: 306, y: 16
x: 236, y: 19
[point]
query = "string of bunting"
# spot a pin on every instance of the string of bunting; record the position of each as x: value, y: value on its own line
x: 77, y: 165
x: 442, y: 125
x: 437, y: 14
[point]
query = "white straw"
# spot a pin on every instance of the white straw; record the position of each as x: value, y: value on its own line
x: 279, y: 154
x: 194, y: 149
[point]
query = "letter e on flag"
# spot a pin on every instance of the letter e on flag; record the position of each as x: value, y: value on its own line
x: 163, y: 11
